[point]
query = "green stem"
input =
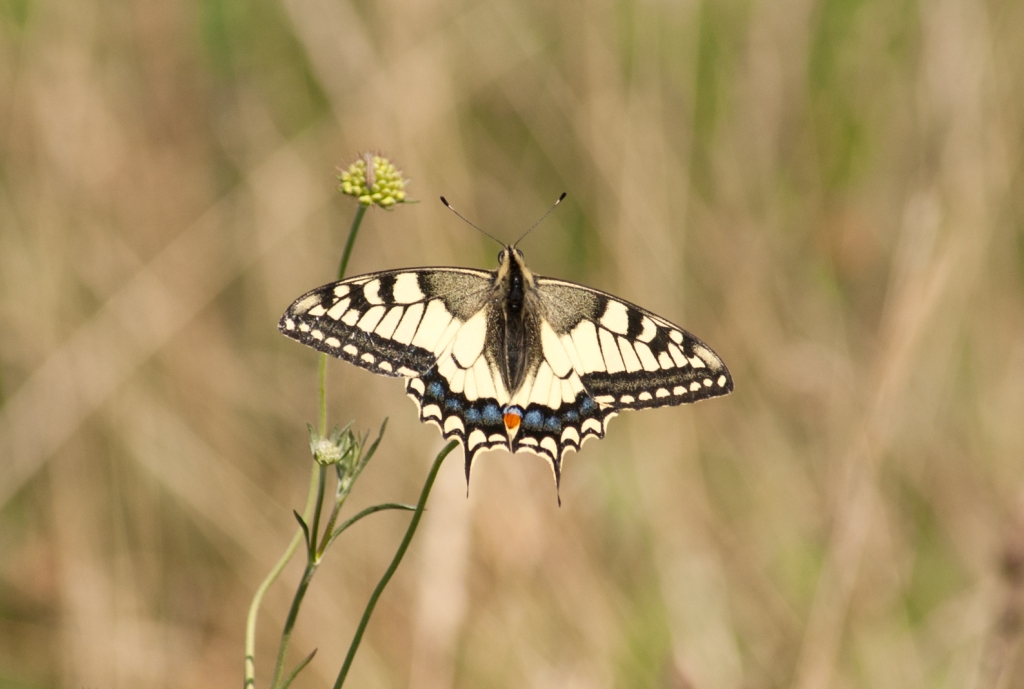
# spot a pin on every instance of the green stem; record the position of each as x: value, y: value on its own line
x: 352, y: 232
x: 289, y: 625
x: 312, y: 562
x: 326, y: 539
x: 257, y: 599
x: 293, y: 613
x: 321, y: 389
x: 342, y: 267
x: 317, y: 512
x: 345, y: 487
x: 413, y: 523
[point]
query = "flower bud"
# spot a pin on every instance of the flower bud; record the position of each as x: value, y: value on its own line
x: 334, y: 449
x: 373, y: 179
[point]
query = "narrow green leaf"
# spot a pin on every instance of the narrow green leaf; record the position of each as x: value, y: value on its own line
x: 302, y: 525
x: 366, y: 513
x: 297, y: 670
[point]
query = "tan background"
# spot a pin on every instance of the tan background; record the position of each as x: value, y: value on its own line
x: 829, y: 193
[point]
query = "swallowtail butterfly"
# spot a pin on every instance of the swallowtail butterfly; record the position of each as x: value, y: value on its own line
x: 505, y: 358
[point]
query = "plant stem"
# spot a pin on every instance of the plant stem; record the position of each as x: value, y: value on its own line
x: 314, y: 481
x: 321, y: 388
x: 413, y: 523
x: 317, y: 511
x: 352, y: 232
x: 345, y: 486
x: 312, y: 562
x: 257, y: 599
x: 289, y: 625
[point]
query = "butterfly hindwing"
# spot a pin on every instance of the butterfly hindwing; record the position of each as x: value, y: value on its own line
x: 394, y: 323
x: 477, y: 423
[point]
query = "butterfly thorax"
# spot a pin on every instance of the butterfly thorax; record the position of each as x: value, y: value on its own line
x: 515, y: 327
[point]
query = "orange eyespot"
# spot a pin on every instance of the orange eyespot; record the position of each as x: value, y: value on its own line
x: 512, y: 421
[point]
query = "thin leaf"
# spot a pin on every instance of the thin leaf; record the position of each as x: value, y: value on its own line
x: 366, y: 513
x: 303, y: 526
x: 297, y: 670
x: 369, y: 453
x: 317, y: 510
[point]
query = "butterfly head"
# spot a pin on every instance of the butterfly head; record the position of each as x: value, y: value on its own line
x: 512, y: 262
x: 509, y: 253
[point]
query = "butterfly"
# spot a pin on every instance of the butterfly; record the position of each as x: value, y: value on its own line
x: 505, y: 358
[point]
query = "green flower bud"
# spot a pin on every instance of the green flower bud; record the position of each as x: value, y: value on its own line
x: 373, y: 179
x: 327, y: 452
x: 334, y: 449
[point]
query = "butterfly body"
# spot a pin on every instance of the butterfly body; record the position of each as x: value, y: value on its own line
x: 505, y: 358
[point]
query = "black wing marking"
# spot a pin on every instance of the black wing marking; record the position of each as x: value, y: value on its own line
x: 477, y: 423
x: 550, y: 431
x: 394, y: 323
x: 626, y: 357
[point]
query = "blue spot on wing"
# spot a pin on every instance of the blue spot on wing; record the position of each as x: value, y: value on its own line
x: 492, y: 414
x: 435, y: 389
x: 473, y: 416
x: 553, y: 424
x: 533, y: 420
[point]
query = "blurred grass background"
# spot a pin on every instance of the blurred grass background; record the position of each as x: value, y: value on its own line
x: 828, y: 192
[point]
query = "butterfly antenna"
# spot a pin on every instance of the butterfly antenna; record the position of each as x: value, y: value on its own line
x: 471, y: 224
x: 553, y: 207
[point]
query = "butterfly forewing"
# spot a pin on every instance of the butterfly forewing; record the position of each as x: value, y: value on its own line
x: 626, y: 356
x: 395, y: 323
